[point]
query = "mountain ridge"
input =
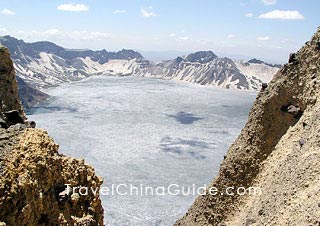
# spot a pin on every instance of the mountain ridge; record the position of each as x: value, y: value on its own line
x: 44, y: 64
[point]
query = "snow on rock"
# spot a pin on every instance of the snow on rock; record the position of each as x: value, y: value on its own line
x: 44, y: 64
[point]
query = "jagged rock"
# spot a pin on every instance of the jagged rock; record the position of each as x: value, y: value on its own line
x: 42, y: 173
x: 318, y: 45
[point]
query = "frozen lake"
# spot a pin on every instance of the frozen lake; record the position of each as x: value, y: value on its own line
x: 145, y: 131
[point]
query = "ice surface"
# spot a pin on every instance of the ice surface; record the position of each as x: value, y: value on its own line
x: 145, y: 131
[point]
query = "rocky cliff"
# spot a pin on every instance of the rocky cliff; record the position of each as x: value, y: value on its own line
x: 32, y: 172
x: 278, y: 151
x: 9, y: 96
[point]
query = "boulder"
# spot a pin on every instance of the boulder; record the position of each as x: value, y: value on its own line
x: 30, y: 124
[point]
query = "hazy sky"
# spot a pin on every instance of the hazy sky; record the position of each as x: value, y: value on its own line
x: 267, y: 29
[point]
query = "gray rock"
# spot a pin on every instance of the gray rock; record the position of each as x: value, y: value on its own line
x: 302, y: 142
x: 31, y: 124
x: 17, y: 127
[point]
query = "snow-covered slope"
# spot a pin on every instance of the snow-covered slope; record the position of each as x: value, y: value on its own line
x: 261, y: 71
x: 44, y: 64
x: 205, y: 68
x: 50, y: 70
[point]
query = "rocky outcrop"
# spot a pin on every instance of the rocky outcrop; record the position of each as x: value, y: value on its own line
x: 33, y: 175
x: 278, y: 151
x: 9, y: 96
x: 34, y: 178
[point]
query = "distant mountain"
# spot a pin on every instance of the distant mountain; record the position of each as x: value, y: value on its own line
x: 255, y: 61
x: 206, y: 68
x: 45, y: 64
x: 162, y: 55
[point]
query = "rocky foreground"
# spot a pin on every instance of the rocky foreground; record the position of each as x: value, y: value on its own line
x: 32, y: 172
x: 278, y: 151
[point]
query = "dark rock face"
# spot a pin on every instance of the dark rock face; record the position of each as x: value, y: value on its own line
x: 30, y: 96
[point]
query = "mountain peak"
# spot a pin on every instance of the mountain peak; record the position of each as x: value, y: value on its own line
x: 201, y: 57
x: 256, y: 61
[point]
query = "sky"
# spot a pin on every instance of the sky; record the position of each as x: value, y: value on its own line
x: 265, y: 29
